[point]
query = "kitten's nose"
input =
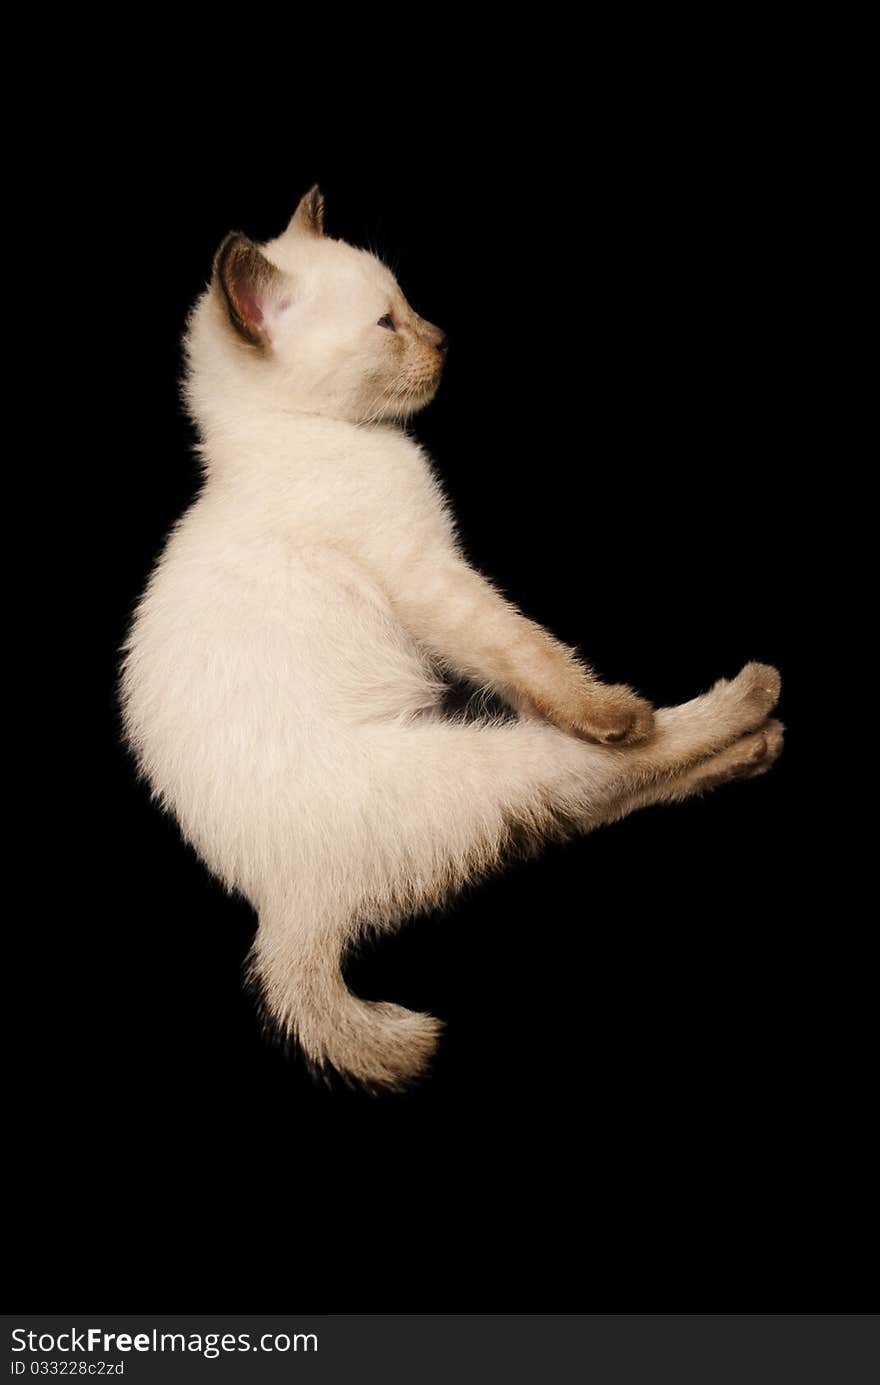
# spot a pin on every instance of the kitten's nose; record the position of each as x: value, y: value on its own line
x: 443, y: 344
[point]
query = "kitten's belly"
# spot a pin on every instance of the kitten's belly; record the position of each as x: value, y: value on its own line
x: 248, y: 682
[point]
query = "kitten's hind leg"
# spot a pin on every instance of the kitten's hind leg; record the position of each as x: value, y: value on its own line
x: 423, y: 807
x: 750, y: 756
x: 707, y: 724
x: 694, y: 745
x: 693, y: 731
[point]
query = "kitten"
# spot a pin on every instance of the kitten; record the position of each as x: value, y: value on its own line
x: 282, y: 679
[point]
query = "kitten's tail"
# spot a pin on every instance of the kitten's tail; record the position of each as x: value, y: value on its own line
x: 374, y: 1043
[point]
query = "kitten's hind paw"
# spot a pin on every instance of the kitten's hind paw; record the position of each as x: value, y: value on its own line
x: 747, y: 700
x: 761, y: 684
x: 755, y: 754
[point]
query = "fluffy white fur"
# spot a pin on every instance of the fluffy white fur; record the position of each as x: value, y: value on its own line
x: 282, y: 676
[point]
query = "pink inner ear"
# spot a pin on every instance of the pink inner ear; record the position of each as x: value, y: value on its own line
x: 249, y: 304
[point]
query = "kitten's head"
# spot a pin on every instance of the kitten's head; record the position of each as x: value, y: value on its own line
x: 325, y: 320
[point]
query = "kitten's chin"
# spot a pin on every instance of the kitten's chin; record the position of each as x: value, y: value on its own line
x: 412, y: 403
x: 408, y: 401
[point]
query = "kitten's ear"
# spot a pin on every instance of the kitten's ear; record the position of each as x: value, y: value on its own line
x: 252, y: 288
x: 308, y: 218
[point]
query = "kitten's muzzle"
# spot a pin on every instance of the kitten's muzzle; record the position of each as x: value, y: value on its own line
x: 435, y: 337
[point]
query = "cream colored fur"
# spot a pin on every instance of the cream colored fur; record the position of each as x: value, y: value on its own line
x: 281, y: 680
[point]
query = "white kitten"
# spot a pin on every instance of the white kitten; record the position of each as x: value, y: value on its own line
x: 282, y: 678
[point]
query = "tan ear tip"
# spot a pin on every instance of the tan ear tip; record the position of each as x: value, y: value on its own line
x: 225, y: 248
x: 311, y: 210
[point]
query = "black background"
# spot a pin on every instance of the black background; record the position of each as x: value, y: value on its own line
x: 650, y: 1078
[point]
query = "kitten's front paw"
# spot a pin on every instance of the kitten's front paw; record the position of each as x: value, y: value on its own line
x: 613, y: 714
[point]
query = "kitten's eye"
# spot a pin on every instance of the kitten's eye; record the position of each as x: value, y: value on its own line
x: 386, y: 321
